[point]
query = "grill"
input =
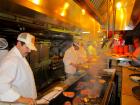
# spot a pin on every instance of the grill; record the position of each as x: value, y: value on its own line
x: 93, y: 95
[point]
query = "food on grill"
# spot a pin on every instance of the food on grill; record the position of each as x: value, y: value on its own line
x: 96, y: 94
x: 101, y: 81
x: 85, y: 92
x: 85, y: 99
x: 92, y: 81
x: 97, y: 77
x: 77, y: 101
x: 81, y: 85
x: 69, y: 94
x: 67, y: 103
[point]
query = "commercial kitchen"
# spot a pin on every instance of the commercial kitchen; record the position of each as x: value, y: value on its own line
x: 104, y: 28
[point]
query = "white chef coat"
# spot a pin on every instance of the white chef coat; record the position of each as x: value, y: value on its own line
x: 70, y: 56
x: 3, y: 53
x: 16, y: 77
x: 82, y: 55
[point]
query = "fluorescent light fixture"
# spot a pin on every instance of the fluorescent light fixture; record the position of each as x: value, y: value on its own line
x: 129, y: 27
x: 85, y: 32
x: 63, y: 13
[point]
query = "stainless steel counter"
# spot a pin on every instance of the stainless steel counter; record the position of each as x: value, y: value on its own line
x: 127, y: 96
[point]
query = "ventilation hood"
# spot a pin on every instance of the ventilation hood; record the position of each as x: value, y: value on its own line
x: 106, y: 13
x: 21, y: 16
x: 46, y: 15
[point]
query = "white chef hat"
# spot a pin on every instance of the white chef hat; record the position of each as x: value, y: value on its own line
x: 28, y: 39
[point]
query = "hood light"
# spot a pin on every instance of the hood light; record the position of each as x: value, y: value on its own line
x: 118, y: 5
x: 85, y: 32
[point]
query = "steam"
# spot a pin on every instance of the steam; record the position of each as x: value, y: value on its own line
x: 93, y: 84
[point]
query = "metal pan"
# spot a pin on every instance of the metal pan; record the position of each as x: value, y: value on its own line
x: 136, y: 91
x: 135, y: 77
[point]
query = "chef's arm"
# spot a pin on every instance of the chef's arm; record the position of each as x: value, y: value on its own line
x: 74, y: 65
x: 28, y: 101
x: 12, y: 96
x: 7, y: 93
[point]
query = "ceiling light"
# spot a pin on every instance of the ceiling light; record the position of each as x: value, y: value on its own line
x: 37, y: 2
x: 66, y: 5
x: 83, y: 12
x: 85, y: 32
x: 63, y: 13
x: 118, y: 5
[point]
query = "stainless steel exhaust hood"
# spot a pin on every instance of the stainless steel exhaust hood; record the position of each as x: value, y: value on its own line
x: 125, y: 18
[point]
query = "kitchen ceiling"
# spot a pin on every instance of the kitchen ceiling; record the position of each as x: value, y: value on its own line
x: 135, y: 17
x: 109, y: 15
x: 103, y: 11
x: 123, y: 19
x: 85, y: 15
x: 65, y: 10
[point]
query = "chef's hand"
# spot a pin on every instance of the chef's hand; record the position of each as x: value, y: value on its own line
x: 74, y: 65
x: 28, y: 101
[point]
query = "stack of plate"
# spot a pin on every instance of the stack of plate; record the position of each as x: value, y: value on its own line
x: 135, y: 77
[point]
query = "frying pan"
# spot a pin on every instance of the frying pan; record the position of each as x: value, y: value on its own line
x: 136, y: 91
x: 135, y: 77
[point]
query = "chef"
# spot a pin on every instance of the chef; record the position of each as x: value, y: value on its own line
x: 82, y: 54
x: 70, y: 59
x: 136, y: 53
x: 17, y: 85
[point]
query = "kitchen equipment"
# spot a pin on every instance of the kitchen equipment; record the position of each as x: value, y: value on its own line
x: 51, y: 95
x: 3, y: 46
x: 87, y: 92
x: 136, y: 91
x: 135, y: 77
x: 3, y: 43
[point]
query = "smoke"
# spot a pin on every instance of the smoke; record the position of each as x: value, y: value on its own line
x: 92, y: 84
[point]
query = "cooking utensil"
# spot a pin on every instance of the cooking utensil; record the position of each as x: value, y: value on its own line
x: 136, y: 91
x: 135, y: 77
